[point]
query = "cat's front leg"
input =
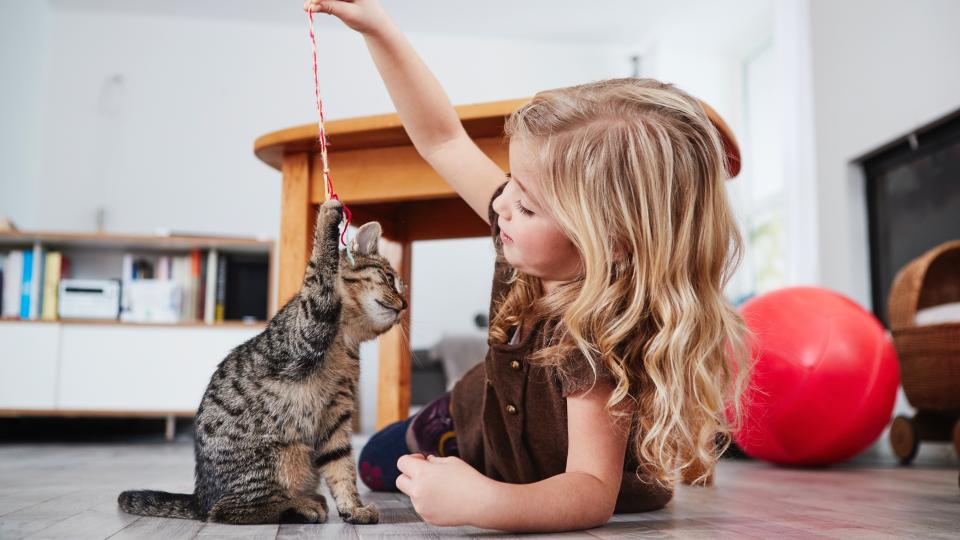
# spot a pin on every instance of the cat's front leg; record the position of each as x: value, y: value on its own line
x: 335, y: 461
x: 318, y: 305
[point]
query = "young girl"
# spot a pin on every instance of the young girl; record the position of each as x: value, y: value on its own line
x: 613, y: 353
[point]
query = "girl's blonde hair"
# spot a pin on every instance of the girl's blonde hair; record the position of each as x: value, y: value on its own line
x: 633, y: 172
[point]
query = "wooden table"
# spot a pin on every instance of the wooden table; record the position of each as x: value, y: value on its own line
x: 378, y: 173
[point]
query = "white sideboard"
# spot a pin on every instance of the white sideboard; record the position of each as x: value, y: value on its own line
x: 67, y: 368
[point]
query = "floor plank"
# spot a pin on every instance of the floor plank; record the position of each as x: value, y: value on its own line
x: 160, y: 529
x: 100, y: 521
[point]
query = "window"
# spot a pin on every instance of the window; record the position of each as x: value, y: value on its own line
x: 758, y: 194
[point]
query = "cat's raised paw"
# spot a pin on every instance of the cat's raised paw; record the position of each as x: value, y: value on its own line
x: 331, y: 212
x: 361, y: 515
x: 329, y: 215
x: 333, y: 203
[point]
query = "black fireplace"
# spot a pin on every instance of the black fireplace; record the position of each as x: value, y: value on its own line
x: 913, y: 201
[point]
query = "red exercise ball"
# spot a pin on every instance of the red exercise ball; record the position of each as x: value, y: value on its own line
x: 824, y: 382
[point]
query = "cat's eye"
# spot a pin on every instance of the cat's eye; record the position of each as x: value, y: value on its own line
x: 390, y: 277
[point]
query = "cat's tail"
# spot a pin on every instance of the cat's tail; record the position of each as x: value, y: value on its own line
x: 159, y: 504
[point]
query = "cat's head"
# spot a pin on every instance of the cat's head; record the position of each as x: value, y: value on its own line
x: 372, y: 291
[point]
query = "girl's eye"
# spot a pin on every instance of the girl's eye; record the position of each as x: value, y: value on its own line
x: 522, y: 210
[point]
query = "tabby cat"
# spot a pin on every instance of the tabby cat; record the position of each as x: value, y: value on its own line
x: 276, y: 415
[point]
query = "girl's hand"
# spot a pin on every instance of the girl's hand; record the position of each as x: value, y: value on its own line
x: 364, y: 16
x: 444, y: 490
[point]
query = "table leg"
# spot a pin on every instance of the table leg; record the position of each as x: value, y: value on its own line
x: 297, y: 220
x: 393, y: 388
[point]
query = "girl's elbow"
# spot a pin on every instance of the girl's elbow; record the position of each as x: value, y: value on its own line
x: 594, y: 522
x: 604, y: 504
x: 599, y: 517
x: 605, y: 516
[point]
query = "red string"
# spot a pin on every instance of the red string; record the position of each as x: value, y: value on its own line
x: 327, y: 179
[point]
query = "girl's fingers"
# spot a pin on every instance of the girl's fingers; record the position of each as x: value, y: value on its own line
x: 409, y: 463
x: 403, y: 483
x: 358, y: 17
x: 330, y: 7
x: 317, y: 5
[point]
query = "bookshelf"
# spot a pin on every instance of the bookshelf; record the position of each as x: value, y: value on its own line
x: 57, y: 366
x: 101, y: 256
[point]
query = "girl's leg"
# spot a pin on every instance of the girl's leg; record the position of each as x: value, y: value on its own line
x: 430, y: 431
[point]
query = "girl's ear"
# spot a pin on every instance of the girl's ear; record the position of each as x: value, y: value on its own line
x: 365, y: 242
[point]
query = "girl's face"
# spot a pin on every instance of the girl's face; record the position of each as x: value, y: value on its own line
x: 532, y: 241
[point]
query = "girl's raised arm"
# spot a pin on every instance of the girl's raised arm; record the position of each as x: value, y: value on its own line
x: 424, y: 108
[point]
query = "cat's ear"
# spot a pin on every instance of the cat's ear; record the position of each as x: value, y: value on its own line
x: 365, y: 242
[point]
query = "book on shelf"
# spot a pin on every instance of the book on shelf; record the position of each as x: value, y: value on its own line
x: 51, y: 282
x: 12, y: 276
x: 26, y: 285
x: 210, y: 286
x: 221, y: 288
x: 195, y: 269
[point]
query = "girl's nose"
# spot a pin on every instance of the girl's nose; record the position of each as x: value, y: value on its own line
x: 500, y: 208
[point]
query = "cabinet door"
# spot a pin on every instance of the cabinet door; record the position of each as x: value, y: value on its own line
x: 141, y: 368
x: 28, y: 365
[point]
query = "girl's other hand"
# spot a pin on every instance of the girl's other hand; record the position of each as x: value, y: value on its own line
x: 364, y: 16
x: 445, y: 491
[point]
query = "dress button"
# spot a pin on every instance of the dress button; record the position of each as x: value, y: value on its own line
x: 511, y: 409
x: 515, y: 365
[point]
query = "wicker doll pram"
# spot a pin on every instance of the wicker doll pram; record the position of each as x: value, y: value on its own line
x: 929, y: 355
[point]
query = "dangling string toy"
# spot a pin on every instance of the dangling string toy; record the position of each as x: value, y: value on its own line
x: 327, y: 179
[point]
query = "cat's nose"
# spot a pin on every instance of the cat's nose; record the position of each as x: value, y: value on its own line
x: 403, y: 303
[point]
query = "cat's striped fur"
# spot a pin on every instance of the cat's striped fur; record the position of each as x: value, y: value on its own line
x: 276, y: 416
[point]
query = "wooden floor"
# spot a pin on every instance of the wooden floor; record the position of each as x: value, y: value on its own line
x: 70, y: 491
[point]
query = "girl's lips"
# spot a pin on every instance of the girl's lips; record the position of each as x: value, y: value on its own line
x: 505, y: 237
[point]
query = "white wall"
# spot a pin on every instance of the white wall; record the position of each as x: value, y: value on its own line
x: 880, y: 70
x: 24, y: 47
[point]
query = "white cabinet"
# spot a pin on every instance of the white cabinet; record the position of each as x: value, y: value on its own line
x: 122, y: 369
x: 28, y: 365
x: 141, y: 368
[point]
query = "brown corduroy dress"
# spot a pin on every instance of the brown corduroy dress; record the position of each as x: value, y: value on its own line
x: 511, y: 417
